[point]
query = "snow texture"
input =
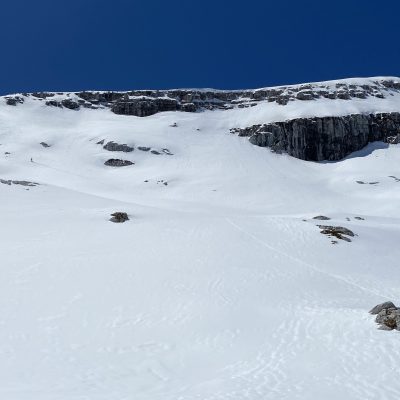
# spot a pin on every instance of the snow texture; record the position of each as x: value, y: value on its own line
x: 220, y: 285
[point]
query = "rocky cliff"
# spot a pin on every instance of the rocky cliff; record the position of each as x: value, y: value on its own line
x: 325, y: 138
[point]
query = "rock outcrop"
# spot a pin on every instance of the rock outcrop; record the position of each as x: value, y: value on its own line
x: 324, y: 138
x: 339, y: 232
x: 112, y: 146
x: 144, y: 106
x: 144, y: 103
x: 119, y: 217
x: 387, y: 316
x: 10, y: 182
x: 115, y: 162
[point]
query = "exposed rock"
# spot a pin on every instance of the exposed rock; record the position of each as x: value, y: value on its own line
x: 321, y: 218
x: 338, y: 232
x: 387, y: 316
x: 70, y: 104
x: 377, y: 309
x: 147, y: 102
x: 42, y: 95
x: 119, y: 217
x: 67, y: 103
x: 45, y: 145
x: 144, y: 106
x: 143, y: 148
x: 112, y: 146
x: 395, y: 178
x: 53, y: 103
x: 189, y: 107
x: 115, y: 162
x: 101, y: 142
x: 13, y: 101
x: 157, y: 153
x: 22, y: 183
x: 393, y: 139
x: 324, y: 138
x: 166, y: 151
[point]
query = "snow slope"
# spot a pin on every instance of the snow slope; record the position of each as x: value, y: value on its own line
x: 219, y: 287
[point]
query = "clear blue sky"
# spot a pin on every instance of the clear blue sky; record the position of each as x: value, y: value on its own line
x: 126, y: 44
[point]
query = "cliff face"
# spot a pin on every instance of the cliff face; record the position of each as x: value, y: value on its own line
x: 325, y: 138
x: 368, y: 109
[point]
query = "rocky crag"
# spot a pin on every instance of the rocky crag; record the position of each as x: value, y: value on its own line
x: 316, y: 139
x: 325, y: 138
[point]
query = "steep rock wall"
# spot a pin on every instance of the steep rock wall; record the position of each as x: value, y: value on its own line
x: 324, y: 138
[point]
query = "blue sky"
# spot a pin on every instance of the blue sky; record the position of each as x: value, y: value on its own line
x: 124, y: 44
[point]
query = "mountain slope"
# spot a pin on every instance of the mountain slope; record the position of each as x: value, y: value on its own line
x: 220, y: 286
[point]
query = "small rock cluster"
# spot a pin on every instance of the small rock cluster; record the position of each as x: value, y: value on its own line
x: 22, y: 183
x: 14, y: 100
x: 338, y: 232
x: 321, y: 218
x: 119, y: 217
x: 113, y: 146
x: 387, y: 316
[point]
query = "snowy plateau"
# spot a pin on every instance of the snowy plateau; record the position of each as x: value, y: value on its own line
x: 220, y: 284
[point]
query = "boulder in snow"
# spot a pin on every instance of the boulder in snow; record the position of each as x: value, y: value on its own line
x: 115, y: 162
x: 119, y: 217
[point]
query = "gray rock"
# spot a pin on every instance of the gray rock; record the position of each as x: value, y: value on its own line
x: 119, y: 217
x: 377, y: 309
x: 70, y: 104
x: 166, y: 151
x: 144, y: 106
x: 11, y: 102
x: 388, y: 319
x: 115, y: 162
x: 189, y: 107
x: 22, y: 183
x: 321, y: 218
x: 53, y: 103
x: 338, y: 232
x: 324, y: 138
x: 112, y: 146
x: 14, y: 100
x: 45, y: 145
x: 157, y: 153
x: 143, y: 148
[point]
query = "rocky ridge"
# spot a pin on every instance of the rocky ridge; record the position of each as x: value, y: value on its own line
x: 315, y: 138
x: 143, y: 103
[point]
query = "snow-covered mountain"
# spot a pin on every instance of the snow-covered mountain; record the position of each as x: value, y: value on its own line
x: 220, y: 285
